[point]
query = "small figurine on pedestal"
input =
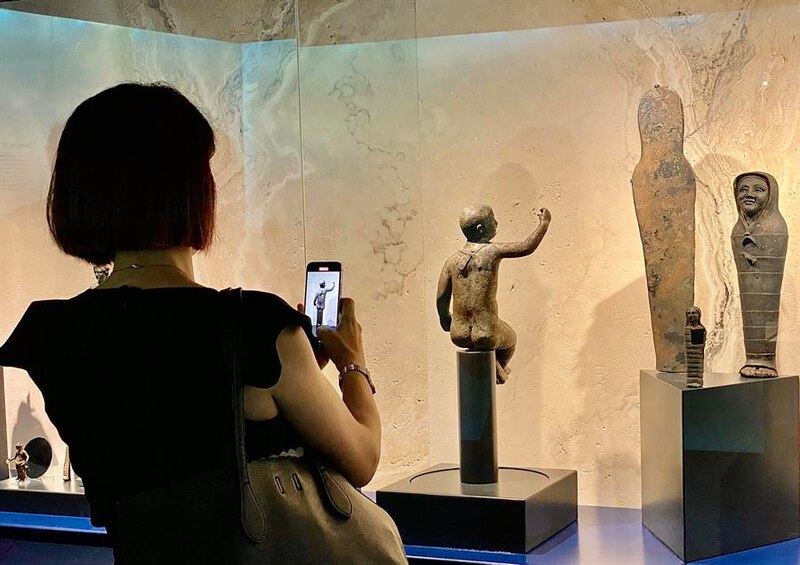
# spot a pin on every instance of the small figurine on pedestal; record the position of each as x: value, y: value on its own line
x: 694, y: 336
x: 20, y: 460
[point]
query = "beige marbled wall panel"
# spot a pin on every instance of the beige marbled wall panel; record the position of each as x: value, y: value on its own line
x: 548, y: 117
x: 364, y: 208
x: 48, y: 67
x: 333, y: 22
x: 455, y: 17
x: 226, y: 20
x: 271, y: 253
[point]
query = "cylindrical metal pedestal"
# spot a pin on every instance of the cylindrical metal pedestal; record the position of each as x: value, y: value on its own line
x: 476, y: 415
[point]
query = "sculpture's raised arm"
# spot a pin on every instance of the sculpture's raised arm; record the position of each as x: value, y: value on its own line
x: 443, y: 295
x: 523, y: 248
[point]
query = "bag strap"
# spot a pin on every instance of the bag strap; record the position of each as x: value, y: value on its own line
x: 252, y: 517
x: 335, y: 495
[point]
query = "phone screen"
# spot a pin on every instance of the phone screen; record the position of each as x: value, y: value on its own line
x: 323, y: 291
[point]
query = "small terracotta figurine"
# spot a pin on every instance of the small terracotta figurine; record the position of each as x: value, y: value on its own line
x: 694, y: 336
x: 20, y: 460
x: 759, y: 240
x: 470, y: 278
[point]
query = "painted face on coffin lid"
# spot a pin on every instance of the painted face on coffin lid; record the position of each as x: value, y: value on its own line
x: 752, y: 195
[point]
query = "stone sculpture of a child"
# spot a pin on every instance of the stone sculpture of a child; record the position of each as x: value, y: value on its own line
x: 470, y: 278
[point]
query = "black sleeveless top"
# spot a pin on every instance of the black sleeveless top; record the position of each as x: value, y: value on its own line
x: 137, y: 384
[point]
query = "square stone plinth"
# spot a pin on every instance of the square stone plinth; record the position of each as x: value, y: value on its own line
x: 522, y: 509
x: 720, y: 466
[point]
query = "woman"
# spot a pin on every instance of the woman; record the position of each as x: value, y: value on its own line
x: 132, y: 184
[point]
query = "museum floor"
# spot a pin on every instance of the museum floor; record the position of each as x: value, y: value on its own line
x: 605, y: 536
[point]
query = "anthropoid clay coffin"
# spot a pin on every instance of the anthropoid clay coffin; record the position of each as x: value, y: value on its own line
x: 759, y: 241
x: 664, y: 190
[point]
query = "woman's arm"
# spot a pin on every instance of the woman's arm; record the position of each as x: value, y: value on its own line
x: 347, y: 430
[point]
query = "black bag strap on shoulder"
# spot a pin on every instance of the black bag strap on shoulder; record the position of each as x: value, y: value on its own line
x: 256, y: 525
x: 253, y: 516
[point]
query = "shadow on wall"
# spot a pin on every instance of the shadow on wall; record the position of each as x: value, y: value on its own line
x: 508, y: 178
x: 28, y: 426
x: 520, y: 401
x: 610, y: 402
x: 524, y: 302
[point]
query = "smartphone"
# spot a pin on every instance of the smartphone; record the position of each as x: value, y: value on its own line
x: 323, y: 293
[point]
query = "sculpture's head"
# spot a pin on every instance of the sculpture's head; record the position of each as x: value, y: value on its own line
x: 19, y: 447
x: 752, y: 194
x: 478, y: 223
x: 693, y: 316
x: 322, y: 284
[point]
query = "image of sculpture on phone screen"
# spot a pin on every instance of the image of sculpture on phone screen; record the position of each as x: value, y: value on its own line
x: 322, y: 298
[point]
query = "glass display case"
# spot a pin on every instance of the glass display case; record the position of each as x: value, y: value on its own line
x: 358, y: 133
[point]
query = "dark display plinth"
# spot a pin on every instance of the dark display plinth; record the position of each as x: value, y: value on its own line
x: 523, y: 509
x: 719, y: 463
x: 47, y: 495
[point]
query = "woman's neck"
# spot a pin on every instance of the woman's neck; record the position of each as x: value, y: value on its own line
x: 152, y: 268
x: 180, y: 257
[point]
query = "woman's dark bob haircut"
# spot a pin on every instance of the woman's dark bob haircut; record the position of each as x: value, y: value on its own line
x: 132, y: 172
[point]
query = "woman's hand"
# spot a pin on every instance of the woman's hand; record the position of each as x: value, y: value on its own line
x: 343, y: 344
x: 346, y: 430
